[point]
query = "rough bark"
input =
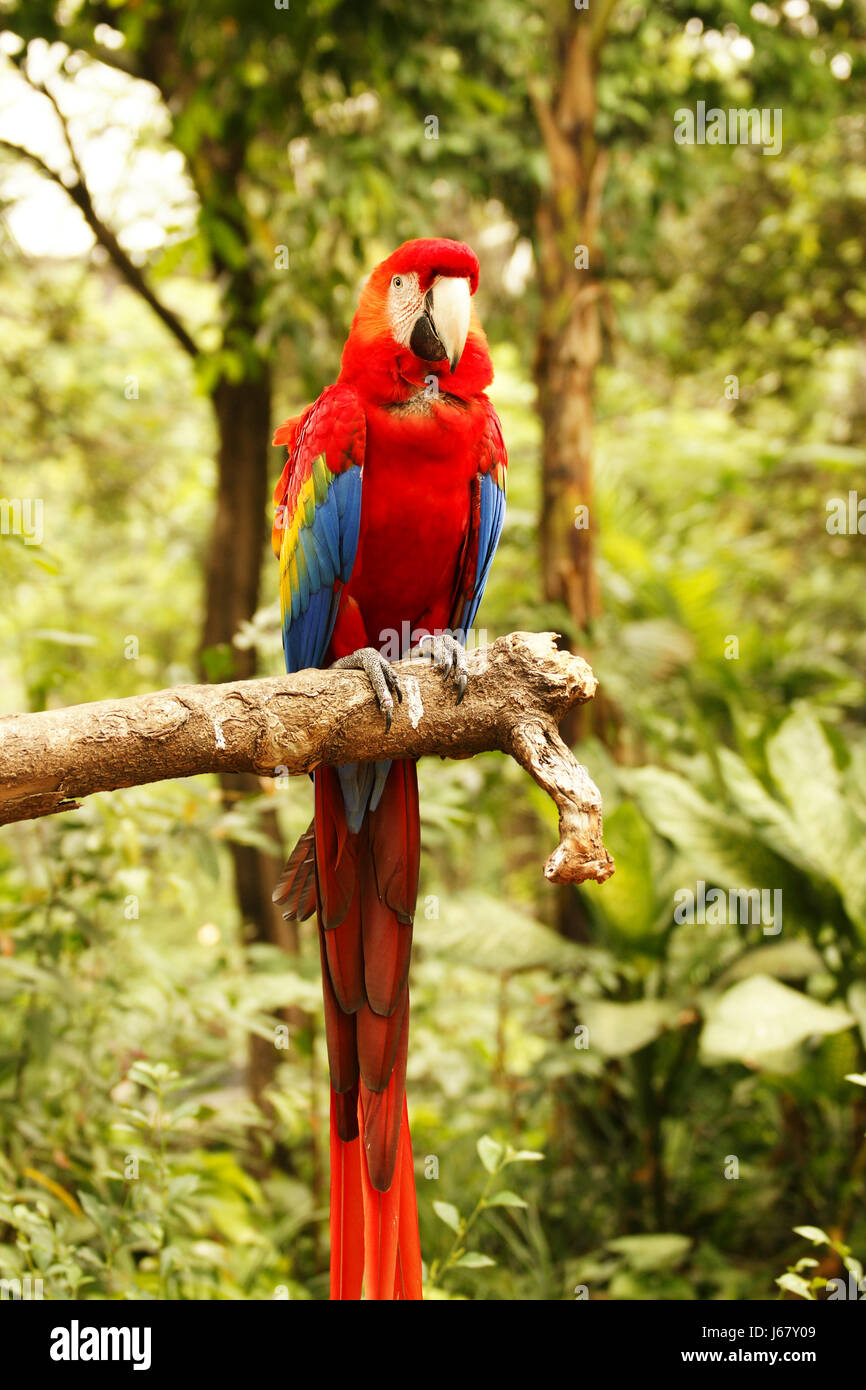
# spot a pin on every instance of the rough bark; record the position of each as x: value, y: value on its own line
x: 569, y: 349
x: 243, y: 417
x: 234, y: 562
x: 520, y: 687
x: 568, y: 217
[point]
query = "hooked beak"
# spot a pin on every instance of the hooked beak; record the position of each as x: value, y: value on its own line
x: 441, y: 330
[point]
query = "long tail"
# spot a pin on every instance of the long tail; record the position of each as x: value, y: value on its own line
x: 364, y: 886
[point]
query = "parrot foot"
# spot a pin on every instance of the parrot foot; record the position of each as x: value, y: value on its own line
x: 381, y: 675
x: 448, y: 656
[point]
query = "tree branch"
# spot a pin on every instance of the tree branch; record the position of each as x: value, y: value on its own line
x: 601, y: 17
x: 80, y: 195
x: 520, y: 687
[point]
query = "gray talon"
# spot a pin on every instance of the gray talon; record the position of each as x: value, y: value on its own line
x: 448, y: 656
x: 393, y: 682
x: 381, y: 675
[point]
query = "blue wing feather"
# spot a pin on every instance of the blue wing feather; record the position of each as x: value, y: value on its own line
x: 492, y: 517
x: 320, y: 539
x: 349, y: 503
x: 486, y: 519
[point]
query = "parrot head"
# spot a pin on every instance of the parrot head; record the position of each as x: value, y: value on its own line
x: 415, y: 322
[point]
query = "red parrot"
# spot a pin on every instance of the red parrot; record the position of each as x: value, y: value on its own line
x: 387, y: 515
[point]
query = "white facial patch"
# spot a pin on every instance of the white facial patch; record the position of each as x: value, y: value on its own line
x: 405, y: 303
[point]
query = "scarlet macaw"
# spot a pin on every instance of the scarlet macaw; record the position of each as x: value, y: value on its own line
x: 388, y: 513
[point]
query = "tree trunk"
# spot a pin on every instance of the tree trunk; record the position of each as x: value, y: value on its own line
x: 243, y: 415
x: 567, y: 241
x: 570, y: 342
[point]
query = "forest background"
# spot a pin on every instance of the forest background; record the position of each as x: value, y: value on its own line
x: 190, y: 196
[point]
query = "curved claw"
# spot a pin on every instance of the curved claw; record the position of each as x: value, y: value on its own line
x: 381, y: 675
x: 393, y: 680
x: 448, y: 656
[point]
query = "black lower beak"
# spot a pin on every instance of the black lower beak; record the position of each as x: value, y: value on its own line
x: 425, y: 341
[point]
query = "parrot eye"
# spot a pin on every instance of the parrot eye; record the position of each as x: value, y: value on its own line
x: 397, y: 282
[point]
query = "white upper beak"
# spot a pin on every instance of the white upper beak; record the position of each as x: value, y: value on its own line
x: 451, y: 309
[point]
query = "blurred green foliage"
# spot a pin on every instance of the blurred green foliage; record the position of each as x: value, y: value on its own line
x: 710, y: 1113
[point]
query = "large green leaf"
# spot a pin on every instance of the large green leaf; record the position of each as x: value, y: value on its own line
x: 772, y: 821
x: 618, y: 1029
x: 489, y: 934
x: 657, y: 1251
x: 792, y: 960
x: 723, y: 847
x: 759, y: 1020
x: 627, y: 901
x: 832, y: 835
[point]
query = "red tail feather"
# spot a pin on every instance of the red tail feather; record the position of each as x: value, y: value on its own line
x: 366, y: 886
x: 347, y: 1214
x: 409, y: 1245
x: 381, y: 1227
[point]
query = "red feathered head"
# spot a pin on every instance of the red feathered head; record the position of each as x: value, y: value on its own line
x: 415, y: 320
